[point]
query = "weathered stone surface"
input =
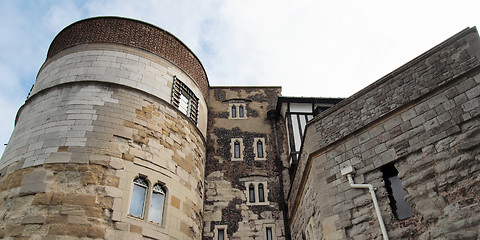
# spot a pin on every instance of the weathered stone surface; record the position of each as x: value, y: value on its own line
x: 422, y: 119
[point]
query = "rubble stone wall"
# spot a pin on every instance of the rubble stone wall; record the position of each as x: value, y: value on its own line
x: 226, y: 201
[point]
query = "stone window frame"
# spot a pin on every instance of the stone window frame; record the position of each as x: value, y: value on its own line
x: 272, y: 228
x: 148, y: 200
x: 232, y: 149
x: 255, y: 141
x: 256, y: 191
x: 181, y: 91
x: 220, y: 227
x: 237, y: 106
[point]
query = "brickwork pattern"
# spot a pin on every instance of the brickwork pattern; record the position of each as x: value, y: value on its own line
x: 131, y: 33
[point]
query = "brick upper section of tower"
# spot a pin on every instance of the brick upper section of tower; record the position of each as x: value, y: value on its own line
x: 135, y: 34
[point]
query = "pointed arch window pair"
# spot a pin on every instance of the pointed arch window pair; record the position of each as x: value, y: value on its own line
x: 147, y: 202
x: 252, y: 194
x: 237, y: 111
x: 256, y: 193
x: 237, y: 149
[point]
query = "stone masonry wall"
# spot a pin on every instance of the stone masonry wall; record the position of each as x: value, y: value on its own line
x: 226, y: 201
x: 424, y: 118
x: 78, y: 148
x: 121, y: 65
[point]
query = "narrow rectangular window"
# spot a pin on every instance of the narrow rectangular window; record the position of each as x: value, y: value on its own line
x: 236, y: 149
x: 221, y: 234
x: 234, y: 112
x: 396, y: 193
x: 261, y: 193
x: 259, y: 149
x: 269, y: 233
x: 241, y: 111
x: 251, y: 193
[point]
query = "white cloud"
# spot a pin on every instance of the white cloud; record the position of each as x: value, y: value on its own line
x: 310, y: 47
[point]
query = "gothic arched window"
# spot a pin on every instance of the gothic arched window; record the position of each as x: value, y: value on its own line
x: 157, y: 204
x: 234, y: 112
x: 241, y: 112
x: 139, y: 195
x: 261, y: 193
x: 251, y: 193
x: 259, y: 149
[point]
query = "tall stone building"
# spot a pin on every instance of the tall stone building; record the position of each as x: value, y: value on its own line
x: 122, y: 137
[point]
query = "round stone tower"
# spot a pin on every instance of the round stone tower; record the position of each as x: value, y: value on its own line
x: 111, y: 140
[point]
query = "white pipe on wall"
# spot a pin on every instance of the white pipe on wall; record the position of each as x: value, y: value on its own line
x: 348, y: 171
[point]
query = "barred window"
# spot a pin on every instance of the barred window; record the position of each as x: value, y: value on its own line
x: 184, y: 99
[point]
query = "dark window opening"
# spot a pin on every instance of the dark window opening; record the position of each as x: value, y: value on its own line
x: 269, y: 233
x: 261, y: 195
x: 251, y: 193
x: 260, y: 149
x: 221, y: 234
x: 236, y: 149
x: 396, y: 194
x: 241, y: 112
x: 234, y: 112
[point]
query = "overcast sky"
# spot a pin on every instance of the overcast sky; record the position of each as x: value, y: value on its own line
x: 310, y: 48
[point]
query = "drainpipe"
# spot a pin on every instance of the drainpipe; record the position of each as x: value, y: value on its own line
x: 273, y: 116
x: 349, y: 171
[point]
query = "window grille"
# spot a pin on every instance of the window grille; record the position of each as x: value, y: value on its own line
x: 184, y: 99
